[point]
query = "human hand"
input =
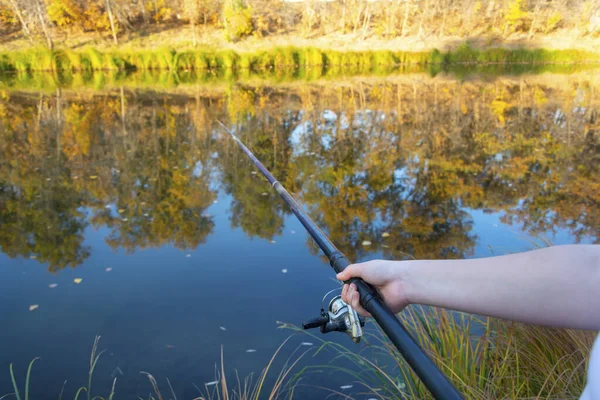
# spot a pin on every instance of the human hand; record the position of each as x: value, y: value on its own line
x: 386, y: 276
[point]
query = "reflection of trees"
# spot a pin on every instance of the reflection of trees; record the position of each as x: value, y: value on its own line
x: 405, y: 158
x: 44, y: 223
x: 39, y: 208
x: 255, y: 207
x: 87, y: 154
x: 162, y: 185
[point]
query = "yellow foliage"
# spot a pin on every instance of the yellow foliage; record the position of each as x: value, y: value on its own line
x: 65, y: 13
x: 498, y: 108
x: 540, y: 96
x: 96, y: 19
x: 159, y: 10
x: 77, y: 133
x: 553, y: 22
x: 516, y: 17
x: 237, y: 21
x: 464, y: 109
x: 7, y: 17
x: 241, y: 104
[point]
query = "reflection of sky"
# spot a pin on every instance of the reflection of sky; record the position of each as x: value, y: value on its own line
x: 161, y: 310
x: 164, y: 297
x: 157, y: 298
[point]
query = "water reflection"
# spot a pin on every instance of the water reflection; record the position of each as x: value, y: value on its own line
x: 398, y: 162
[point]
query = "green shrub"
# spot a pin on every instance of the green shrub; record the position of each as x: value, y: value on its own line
x: 237, y: 20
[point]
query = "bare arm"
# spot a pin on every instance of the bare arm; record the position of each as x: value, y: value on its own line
x: 557, y: 286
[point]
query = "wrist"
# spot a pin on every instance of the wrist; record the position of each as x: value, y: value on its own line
x: 414, y: 277
x: 408, y: 274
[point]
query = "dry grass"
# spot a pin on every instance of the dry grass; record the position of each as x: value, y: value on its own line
x: 485, y: 358
x: 223, y: 388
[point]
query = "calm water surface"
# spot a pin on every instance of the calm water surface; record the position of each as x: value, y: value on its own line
x: 182, y: 248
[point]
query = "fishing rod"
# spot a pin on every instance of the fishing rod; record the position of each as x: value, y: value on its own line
x: 341, y: 317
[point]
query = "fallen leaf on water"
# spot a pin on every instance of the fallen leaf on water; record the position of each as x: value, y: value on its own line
x: 108, y: 269
x: 77, y: 280
x: 222, y: 328
x: 385, y: 234
x: 284, y: 270
x: 346, y: 387
x: 53, y: 285
x: 251, y: 351
x: 211, y: 383
x: 92, y: 177
x: 366, y: 243
x: 121, y: 210
x: 33, y: 307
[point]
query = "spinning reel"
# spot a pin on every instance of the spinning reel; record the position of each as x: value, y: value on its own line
x: 340, y: 317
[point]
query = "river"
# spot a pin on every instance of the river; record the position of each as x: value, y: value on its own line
x: 127, y: 212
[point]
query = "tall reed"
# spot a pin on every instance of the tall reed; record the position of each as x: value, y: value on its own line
x: 485, y: 358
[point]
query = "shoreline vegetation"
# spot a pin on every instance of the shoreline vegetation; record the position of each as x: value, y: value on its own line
x: 189, y: 82
x: 282, y: 58
x: 505, y: 360
x: 262, y: 35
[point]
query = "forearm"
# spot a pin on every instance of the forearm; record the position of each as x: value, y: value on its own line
x: 557, y: 286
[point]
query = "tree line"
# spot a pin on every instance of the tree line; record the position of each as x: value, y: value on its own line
x: 120, y: 19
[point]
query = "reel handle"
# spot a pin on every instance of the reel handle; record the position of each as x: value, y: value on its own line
x: 316, y: 322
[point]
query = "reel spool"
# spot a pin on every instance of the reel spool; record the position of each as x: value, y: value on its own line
x: 339, y: 317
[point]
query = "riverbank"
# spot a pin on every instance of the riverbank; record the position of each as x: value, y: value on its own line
x: 278, y: 58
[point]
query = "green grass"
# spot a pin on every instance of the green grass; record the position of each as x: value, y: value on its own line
x: 168, y: 59
x: 485, y: 358
x: 264, y: 74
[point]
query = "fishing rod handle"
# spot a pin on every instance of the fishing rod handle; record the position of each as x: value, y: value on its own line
x: 437, y: 383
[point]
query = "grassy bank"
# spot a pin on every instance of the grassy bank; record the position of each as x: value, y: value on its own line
x: 485, y: 358
x: 223, y: 78
x: 288, y: 58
